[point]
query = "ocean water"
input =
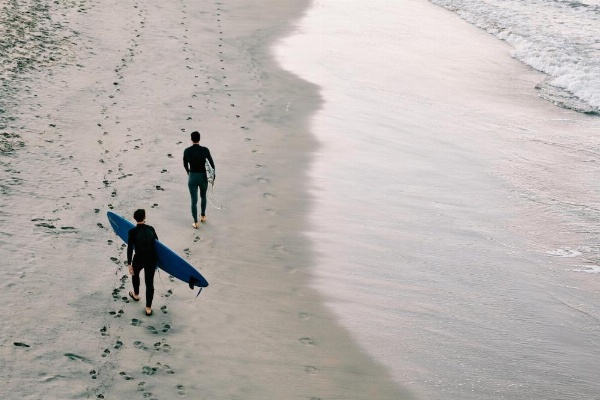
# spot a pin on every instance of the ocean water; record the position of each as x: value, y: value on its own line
x: 455, y: 219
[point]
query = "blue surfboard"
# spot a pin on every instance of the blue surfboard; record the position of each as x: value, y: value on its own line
x: 168, y: 260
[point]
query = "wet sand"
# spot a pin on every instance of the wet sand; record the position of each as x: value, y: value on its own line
x: 98, y: 121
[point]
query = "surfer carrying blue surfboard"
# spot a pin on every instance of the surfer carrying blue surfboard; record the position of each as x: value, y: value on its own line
x: 141, y: 240
x: 194, y: 162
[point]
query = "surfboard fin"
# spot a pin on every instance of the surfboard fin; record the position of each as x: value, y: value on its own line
x: 192, y: 282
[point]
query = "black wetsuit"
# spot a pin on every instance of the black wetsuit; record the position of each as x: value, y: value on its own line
x: 194, y: 162
x: 194, y: 158
x: 141, y: 240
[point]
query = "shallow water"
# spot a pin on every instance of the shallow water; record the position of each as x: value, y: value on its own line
x: 455, y: 210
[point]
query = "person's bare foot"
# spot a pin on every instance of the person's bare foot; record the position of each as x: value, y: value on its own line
x: 195, y: 225
x: 203, y: 218
x: 148, y: 311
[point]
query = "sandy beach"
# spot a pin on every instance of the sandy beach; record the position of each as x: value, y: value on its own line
x: 98, y: 121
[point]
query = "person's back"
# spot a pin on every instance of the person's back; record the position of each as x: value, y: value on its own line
x: 143, y: 237
x: 196, y: 156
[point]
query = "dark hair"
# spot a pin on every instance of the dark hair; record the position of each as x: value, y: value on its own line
x: 139, y: 215
x: 195, y: 136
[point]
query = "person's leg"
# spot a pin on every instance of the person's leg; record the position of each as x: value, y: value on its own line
x: 203, y: 187
x: 193, y: 187
x: 149, y: 281
x: 135, y: 279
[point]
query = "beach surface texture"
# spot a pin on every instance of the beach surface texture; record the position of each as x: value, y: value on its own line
x: 405, y: 205
x: 98, y: 103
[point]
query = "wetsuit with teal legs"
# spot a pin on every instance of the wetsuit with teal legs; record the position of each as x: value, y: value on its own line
x: 194, y: 162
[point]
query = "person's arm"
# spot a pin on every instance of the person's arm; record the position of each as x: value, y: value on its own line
x: 130, y: 242
x: 186, y: 162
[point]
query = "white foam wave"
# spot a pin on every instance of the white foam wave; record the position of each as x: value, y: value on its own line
x: 559, y: 38
x: 594, y: 269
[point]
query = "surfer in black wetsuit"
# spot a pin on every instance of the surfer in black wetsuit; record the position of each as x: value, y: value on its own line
x: 141, y: 240
x: 194, y: 162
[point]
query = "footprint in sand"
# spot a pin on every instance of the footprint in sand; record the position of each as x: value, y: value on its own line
x: 153, y: 330
x: 136, y: 322
x: 168, y: 293
x: 166, y: 328
x: 307, y: 341
x: 139, y: 345
x: 304, y: 316
x: 278, y: 247
x: 103, y: 331
x: 164, y: 309
x: 147, y: 370
x: 117, y: 314
x: 149, y: 396
x: 181, y: 390
x: 126, y: 376
x: 311, y: 370
x: 118, y: 345
x: 166, y: 348
x: 76, y: 357
x: 21, y: 344
x: 93, y: 374
x: 105, y: 353
x: 268, y: 195
x: 168, y: 370
x: 187, y: 251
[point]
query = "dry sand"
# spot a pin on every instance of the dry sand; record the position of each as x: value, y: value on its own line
x: 99, y: 120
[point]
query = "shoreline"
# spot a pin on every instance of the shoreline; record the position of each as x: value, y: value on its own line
x: 259, y: 330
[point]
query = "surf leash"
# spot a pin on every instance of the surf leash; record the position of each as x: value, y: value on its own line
x: 210, y: 175
x: 160, y: 277
x: 212, y: 191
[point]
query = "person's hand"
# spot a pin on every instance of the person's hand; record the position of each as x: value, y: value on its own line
x: 130, y: 269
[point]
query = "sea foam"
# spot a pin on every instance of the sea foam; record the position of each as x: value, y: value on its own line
x: 559, y: 38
